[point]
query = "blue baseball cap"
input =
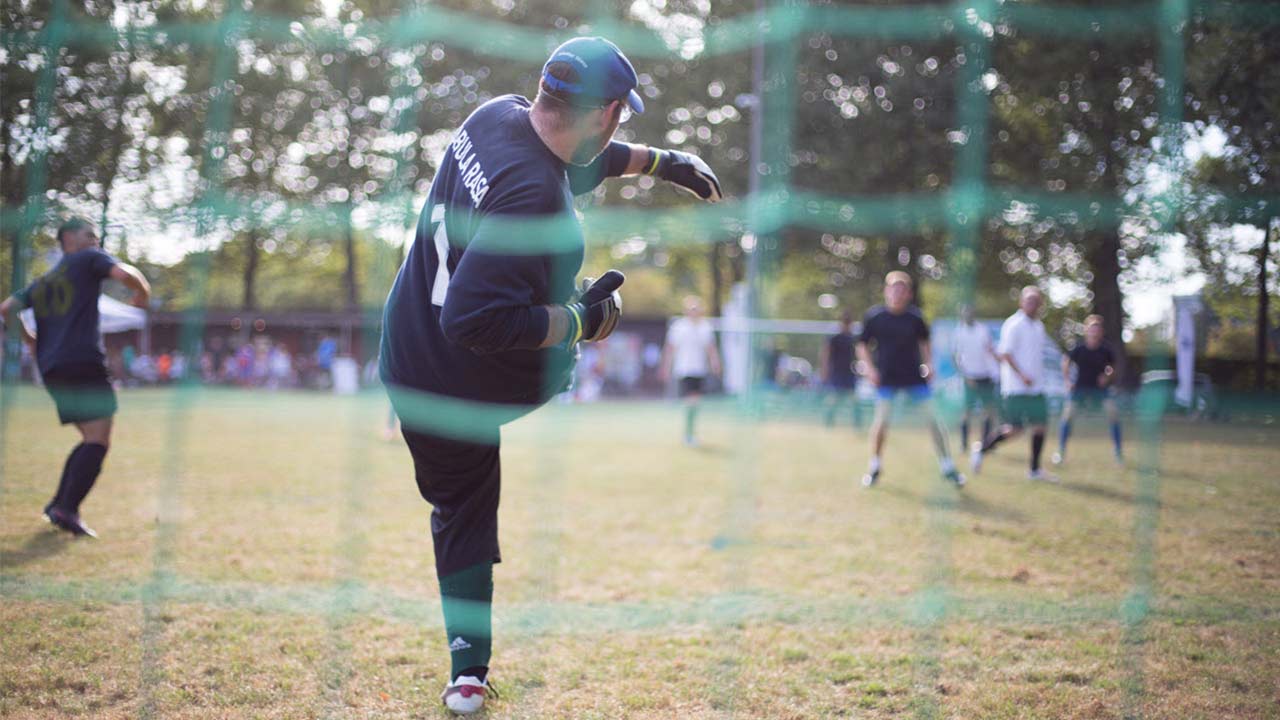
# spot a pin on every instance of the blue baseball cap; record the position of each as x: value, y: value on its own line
x: 604, y: 73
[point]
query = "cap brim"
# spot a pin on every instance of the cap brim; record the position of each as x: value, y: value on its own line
x: 635, y: 103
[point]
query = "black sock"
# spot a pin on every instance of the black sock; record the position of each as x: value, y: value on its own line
x: 992, y: 441
x: 60, y: 496
x: 84, y: 472
x: 964, y: 434
x: 466, y: 597
x: 1037, y: 444
x: 986, y: 427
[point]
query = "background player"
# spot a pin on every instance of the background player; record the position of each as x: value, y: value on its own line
x: 483, y: 308
x: 1022, y: 347
x: 836, y: 363
x: 1095, y: 368
x: 975, y: 357
x: 71, y: 359
x: 690, y: 356
x: 902, y: 365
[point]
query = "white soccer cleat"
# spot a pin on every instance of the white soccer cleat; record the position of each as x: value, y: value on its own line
x: 975, y: 458
x: 1041, y: 475
x: 466, y: 695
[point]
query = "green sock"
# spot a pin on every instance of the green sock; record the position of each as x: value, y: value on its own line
x: 690, y: 413
x: 467, y: 599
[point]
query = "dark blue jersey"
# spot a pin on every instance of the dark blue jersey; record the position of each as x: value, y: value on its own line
x: 895, y: 344
x: 65, y: 302
x: 1091, y: 363
x: 840, y: 359
x: 496, y: 241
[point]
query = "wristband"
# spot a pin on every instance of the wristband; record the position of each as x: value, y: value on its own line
x: 655, y: 159
x: 573, y: 333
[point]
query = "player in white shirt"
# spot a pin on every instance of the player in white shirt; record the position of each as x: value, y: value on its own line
x: 975, y: 357
x: 1023, y: 342
x: 690, y: 356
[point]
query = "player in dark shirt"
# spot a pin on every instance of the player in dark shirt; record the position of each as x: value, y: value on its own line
x: 71, y: 360
x: 1094, y: 361
x: 836, y: 361
x: 894, y: 349
x: 482, y: 322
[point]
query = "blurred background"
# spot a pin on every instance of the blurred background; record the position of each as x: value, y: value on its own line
x: 264, y: 162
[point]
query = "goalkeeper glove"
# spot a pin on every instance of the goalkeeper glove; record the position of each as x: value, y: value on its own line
x: 595, y: 313
x: 686, y: 171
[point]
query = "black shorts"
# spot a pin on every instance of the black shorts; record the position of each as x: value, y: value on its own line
x: 843, y: 382
x: 461, y: 479
x: 692, y: 385
x: 81, y: 392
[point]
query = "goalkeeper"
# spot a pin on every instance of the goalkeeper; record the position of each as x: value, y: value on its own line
x: 483, y: 309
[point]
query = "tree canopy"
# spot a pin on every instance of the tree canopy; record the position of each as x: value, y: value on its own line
x: 275, y: 147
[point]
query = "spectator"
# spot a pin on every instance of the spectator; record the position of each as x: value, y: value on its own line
x: 218, y: 354
x: 127, y: 356
x: 208, y: 370
x: 178, y: 369
x: 164, y: 364
x: 143, y: 368
x: 244, y: 365
x: 325, y: 352
x: 229, y: 368
x: 280, y: 371
x: 260, y: 371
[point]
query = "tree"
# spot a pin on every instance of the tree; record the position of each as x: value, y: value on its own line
x: 1074, y: 117
x: 1233, y: 84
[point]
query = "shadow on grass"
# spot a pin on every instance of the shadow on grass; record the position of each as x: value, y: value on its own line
x: 963, y: 502
x: 44, y: 543
x: 973, y: 505
x: 1101, y: 492
x: 1196, y: 476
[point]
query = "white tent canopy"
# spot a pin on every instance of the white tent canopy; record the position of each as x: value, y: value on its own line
x: 114, y: 316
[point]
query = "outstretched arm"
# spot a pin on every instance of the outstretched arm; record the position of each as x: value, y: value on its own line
x: 684, y: 170
x: 9, y: 307
x: 131, y: 278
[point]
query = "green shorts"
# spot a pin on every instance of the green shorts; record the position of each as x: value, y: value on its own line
x: 979, y: 394
x: 1022, y: 410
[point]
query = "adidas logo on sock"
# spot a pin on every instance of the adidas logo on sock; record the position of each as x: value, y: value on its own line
x: 459, y: 644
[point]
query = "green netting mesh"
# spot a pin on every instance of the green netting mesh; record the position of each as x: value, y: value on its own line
x: 772, y: 207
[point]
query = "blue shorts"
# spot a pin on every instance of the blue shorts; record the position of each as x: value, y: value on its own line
x: 916, y: 393
x: 1092, y: 397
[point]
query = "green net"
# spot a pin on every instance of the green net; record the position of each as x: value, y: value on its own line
x: 762, y: 588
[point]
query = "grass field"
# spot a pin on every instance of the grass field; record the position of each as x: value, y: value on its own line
x: 267, y: 556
